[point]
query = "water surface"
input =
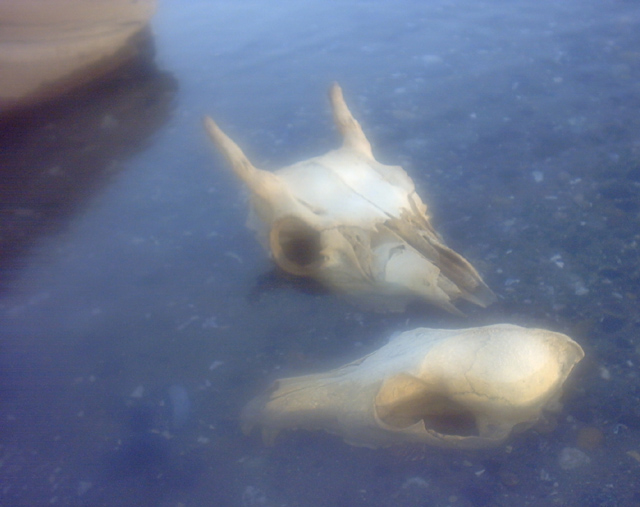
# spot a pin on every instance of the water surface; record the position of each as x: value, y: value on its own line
x: 127, y: 272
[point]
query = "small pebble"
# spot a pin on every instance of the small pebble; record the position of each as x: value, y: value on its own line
x: 215, y: 364
x: 416, y: 482
x: 634, y: 454
x: 590, y: 438
x: 571, y: 458
x: 557, y: 260
x: 509, y: 479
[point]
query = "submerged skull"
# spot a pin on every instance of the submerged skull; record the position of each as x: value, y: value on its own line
x: 355, y: 225
x: 465, y: 388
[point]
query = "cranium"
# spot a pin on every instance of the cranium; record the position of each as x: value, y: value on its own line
x: 467, y: 389
x: 354, y: 224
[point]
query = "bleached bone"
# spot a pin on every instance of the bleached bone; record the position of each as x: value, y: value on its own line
x: 466, y: 388
x: 354, y: 224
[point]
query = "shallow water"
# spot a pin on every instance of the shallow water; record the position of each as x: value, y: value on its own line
x: 126, y: 268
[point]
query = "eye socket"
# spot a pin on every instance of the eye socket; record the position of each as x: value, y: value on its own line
x: 460, y: 422
x: 404, y: 400
x: 436, y: 412
x: 295, y: 246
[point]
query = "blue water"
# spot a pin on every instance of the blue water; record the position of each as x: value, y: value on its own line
x: 126, y: 269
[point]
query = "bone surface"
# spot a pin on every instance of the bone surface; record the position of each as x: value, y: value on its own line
x: 465, y: 388
x: 354, y: 224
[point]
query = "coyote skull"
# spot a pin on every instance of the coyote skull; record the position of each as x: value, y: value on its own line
x: 355, y: 225
x: 451, y: 388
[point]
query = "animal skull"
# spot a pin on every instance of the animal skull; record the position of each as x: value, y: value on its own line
x: 452, y: 388
x: 354, y: 224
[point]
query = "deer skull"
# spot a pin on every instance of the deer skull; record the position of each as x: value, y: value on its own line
x: 354, y: 224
